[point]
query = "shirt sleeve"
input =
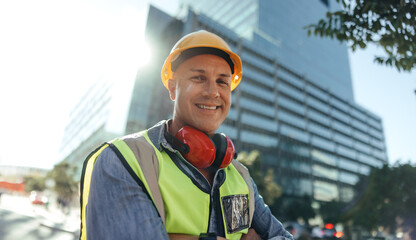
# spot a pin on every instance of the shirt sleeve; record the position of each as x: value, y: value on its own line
x: 265, y: 224
x: 117, y: 206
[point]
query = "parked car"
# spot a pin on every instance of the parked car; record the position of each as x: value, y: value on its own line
x: 298, y: 231
x: 329, y: 232
x: 36, y: 198
x: 317, y: 233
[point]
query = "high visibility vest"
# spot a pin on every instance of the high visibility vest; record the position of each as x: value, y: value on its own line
x: 183, y: 207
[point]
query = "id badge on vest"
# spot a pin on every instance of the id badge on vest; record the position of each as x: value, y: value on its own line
x: 235, y: 209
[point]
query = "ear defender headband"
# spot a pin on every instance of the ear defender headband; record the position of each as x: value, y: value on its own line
x: 202, y: 151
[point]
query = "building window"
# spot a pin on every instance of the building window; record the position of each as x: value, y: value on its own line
x: 258, y: 107
x: 316, y: 92
x: 291, y: 119
x: 258, y: 139
x: 325, y: 172
x: 257, y: 91
x: 318, y: 117
x: 323, y: 143
x: 325, y: 191
x: 294, y: 133
x: 259, y: 122
x: 323, y: 157
x: 285, y: 76
x: 319, y: 130
x: 348, y: 178
x: 292, y: 92
x: 291, y: 105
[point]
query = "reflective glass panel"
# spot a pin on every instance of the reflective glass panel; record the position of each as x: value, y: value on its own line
x: 341, y: 127
x: 293, y: 92
x: 290, y: 104
x: 348, y: 165
x: 294, y: 133
x: 363, y: 147
x: 259, y: 122
x: 258, y: 77
x: 318, y: 117
x: 258, y: 91
x: 257, y: 61
x: 325, y: 172
x: 290, y: 78
x: 316, y: 92
x: 360, y: 125
x: 340, y: 104
x: 323, y: 143
x: 258, y: 139
x: 323, y: 157
x: 346, y: 151
x: 360, y: 136
x: 359, y: 115
x: 325, y: 191
x: 348, y: 178
x: 257, y: 107
x: 318, y: 129
x: 340, y: 116
x: 343, y: 139
x: 317, y: 104
x: 291, y: 119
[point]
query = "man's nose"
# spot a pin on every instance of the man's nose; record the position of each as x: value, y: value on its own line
x: 211, y: 89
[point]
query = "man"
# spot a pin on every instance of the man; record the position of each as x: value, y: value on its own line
x: 178, y: 179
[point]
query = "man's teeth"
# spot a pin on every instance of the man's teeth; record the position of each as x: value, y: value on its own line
x: 207, y: 107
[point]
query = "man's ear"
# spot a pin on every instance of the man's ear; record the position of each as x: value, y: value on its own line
x: 172, y: 89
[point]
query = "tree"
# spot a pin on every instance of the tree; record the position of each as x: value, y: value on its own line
x: 390, y: 24
x: 63, y: 175
x: 332, y: 212
x: 289, y: 208
x: 299, y: 208
x: 389, y: 200
x: 266, y: 185
x: 34, y: 183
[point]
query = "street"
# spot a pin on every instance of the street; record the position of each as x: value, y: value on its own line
x: 20, y: 220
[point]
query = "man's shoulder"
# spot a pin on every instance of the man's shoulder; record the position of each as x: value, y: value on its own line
x: 240, y: 167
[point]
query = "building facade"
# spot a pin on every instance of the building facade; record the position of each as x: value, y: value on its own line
x: 295, y: 103
x: 99, y: 116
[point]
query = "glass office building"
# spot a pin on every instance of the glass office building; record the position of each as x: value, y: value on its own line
x: 295, y: 103
x: 99, y: 116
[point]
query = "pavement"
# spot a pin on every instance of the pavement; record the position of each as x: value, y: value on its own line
x: 53, y: 217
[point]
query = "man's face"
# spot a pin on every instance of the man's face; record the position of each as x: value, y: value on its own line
x: 201, y: 90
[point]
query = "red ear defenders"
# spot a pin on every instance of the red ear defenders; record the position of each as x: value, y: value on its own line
x: 202, y: 151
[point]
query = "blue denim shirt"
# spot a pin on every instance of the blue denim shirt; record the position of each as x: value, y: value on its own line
x: 121, y: 209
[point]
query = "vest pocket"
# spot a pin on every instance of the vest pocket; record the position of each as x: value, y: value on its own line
x: 235, y: 210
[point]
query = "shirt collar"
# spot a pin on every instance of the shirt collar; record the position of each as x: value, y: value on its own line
x: 157, y: 135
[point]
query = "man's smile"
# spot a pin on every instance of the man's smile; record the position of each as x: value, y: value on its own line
x: 206, y: 107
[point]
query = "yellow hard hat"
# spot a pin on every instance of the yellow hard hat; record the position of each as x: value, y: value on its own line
x: 203, y: 40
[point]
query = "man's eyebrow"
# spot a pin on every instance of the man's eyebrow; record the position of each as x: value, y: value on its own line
x: 203, y: 71
x: 197, y: 70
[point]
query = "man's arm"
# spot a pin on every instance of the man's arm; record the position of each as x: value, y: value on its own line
x: 117, y: 206
x: 264, y: 223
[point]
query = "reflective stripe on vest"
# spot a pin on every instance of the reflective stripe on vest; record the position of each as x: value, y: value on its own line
x: 85, y: 186
x: 182, y: 206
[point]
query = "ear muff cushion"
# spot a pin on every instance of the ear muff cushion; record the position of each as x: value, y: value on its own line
x: 201, y: 148
x: 220, y: 142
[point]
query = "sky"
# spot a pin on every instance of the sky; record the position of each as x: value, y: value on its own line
x: 51, y: 51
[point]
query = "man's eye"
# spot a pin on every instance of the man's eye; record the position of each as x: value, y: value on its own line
x: 197, y: 77
x: 223, y: 82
